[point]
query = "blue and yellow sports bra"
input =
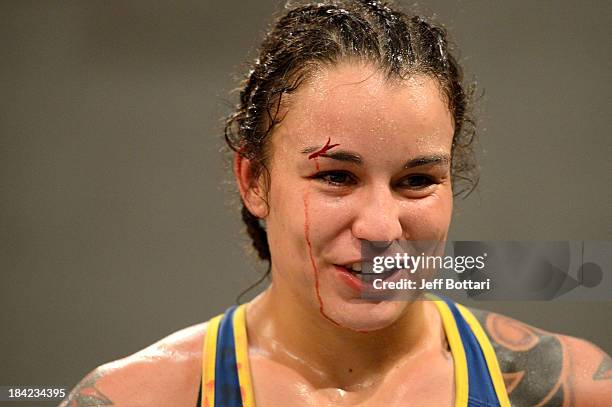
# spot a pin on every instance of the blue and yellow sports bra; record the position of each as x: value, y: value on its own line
x: 226, y: 378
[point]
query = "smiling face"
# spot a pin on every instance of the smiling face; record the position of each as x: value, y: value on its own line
x: 388, y: 178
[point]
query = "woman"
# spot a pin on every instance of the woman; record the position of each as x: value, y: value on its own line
x: 352, y: 129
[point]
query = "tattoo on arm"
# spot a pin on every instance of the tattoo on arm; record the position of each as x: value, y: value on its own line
x: 532, y: 362
x: 604, y: 371
x: 85, y: 394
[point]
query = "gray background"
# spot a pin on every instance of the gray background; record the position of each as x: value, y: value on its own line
x: 116, y: 220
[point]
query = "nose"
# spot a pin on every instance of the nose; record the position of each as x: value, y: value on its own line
x: 378, y: 218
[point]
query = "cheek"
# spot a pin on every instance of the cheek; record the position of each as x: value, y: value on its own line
x: 428, y: 218
x: 329, y: 217
x: 286, y: 218
x: 299, y: 209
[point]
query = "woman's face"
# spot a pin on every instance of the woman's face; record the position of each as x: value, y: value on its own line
x: 387, y: 179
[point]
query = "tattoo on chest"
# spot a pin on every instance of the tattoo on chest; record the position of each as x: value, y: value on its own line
x: 531, y: 361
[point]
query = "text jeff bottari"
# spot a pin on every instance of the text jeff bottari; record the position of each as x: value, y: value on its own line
x: 435, y: 284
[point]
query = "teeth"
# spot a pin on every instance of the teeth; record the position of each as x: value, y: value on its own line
x: 355, y: 267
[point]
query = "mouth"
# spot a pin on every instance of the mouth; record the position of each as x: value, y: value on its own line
x: 362, y: 271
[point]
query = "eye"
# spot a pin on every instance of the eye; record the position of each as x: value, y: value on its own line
x: 336, y: 178
x: 417, y: 181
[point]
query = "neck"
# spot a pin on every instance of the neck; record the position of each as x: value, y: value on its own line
x: 328, y: 355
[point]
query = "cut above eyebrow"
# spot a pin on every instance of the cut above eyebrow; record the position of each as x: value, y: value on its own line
x: 328, y: 146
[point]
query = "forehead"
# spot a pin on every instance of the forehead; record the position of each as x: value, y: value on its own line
x: 356, y: 105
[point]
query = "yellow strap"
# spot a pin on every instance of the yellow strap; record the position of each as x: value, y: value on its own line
x: 457, y: 350
x: 489, y: 354
x: 209, y: 354
x: 242, y: 357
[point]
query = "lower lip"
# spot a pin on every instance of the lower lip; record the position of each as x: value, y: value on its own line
x: 349, y: 279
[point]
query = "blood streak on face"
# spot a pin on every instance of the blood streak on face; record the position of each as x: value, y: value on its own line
x: 315, y: 270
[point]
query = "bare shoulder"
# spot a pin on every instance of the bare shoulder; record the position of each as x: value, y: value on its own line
x: 165, y: 373
x: 547, y: 369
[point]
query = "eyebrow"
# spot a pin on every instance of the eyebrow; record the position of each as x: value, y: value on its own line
x: 339, y: 155
x: 434, y: 159
x: 349, y: 156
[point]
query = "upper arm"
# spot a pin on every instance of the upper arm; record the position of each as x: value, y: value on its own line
x: 87, y: 393
x: 590, y: 372
x: 166, y: 373
x: 135, y: 382
x: 545, y: 369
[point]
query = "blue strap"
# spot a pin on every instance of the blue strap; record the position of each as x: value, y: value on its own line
x: 481, y: 391
x: 227, y: 386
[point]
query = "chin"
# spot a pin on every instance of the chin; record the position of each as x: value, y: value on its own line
x: 362, y: 315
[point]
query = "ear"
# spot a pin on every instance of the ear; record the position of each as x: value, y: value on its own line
x: 251, y: 190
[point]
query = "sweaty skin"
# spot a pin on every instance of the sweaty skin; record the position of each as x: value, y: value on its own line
x: 168, y: 373
x: 388, y: 179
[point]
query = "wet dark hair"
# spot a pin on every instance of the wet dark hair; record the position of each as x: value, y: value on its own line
x: 313, y: 35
